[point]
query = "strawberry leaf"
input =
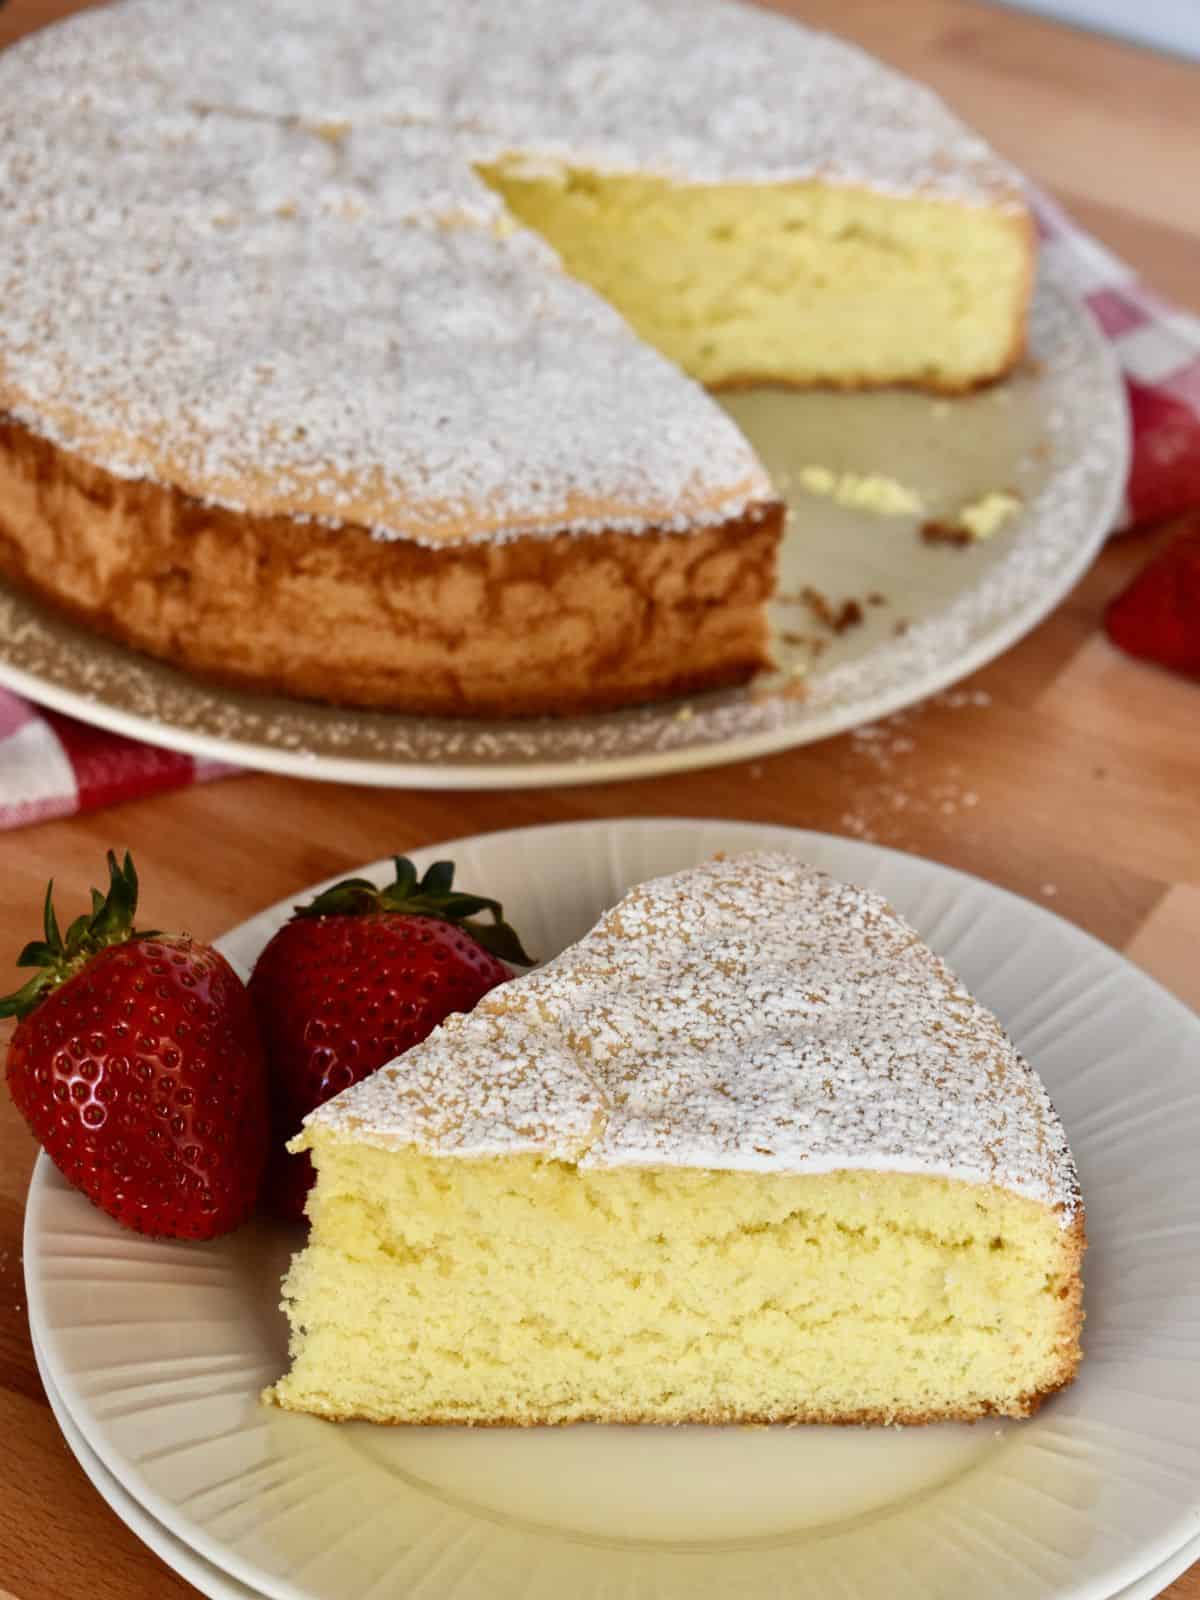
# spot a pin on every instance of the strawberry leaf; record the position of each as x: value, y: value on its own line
x: 433, y: 895
x: 114, y: 918
x: 50, y: 921
x: 438, y: 879
x: 349, y: 898
x: 22, y: 1002
x: 37, y: 953
x: 499, y: 939
x: 110, y: 921
x: 406, y: 875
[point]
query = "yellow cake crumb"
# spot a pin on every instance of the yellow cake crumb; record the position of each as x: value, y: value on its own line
x: 869, y: 491
x: 986, y: 516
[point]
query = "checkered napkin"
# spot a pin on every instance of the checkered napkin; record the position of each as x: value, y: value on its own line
x: 1159, y: 352
x: 52, y: 766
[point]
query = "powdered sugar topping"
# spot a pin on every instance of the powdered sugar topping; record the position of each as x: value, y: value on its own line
x: 245, y: 250
x: 272, y: 321
x: 749, y: 1014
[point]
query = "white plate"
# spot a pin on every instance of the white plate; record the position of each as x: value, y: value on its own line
x: 1057, y: 432
x: 217, y: 1585
x: 157, y: 1348
x: 209, y: 1580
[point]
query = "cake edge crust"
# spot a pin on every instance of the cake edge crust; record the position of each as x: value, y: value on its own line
x: 488, y: 628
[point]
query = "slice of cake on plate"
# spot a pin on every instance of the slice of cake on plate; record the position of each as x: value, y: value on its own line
x: 748, y: 1151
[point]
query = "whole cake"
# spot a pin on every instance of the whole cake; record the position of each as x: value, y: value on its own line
x: 357, y: 351
x: 748, y: 1151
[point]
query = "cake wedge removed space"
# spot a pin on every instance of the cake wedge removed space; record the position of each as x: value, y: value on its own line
x: 747, y: 1152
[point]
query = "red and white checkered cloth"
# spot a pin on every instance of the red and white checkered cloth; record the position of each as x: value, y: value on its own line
x: 51, y: 765
x: 1159, y: 351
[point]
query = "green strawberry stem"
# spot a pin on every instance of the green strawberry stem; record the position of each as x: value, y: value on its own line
x: 61, y: 956
x: 433, y: 895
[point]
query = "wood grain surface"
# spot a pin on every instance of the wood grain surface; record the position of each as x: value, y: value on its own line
x: 1063, y: 771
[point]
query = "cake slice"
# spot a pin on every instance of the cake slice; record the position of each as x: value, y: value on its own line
x: 748, y: 1151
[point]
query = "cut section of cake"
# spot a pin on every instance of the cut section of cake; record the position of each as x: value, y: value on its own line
x: 747, y: 1151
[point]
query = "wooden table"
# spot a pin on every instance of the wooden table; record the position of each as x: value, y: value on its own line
x: 1063, y: 771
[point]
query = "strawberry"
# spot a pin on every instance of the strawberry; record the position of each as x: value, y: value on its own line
x: 137, y: 1064
x: 356, y: 977
x: 1158, y: 616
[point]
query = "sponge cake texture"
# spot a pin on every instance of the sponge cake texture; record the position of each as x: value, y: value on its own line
x: 747, y: 1152
x: 793, y: 283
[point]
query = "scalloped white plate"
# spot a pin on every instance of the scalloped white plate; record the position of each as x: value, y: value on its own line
x: 1057, y: 432
x: 209, y: 1580
x: 157, y: 1349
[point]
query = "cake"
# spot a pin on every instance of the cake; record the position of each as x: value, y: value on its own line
x: 748, y: 1151
x: 361, y: 352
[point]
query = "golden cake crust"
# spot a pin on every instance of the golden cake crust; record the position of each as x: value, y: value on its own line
x: 538, y: 624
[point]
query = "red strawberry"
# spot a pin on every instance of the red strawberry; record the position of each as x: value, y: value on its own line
x: 137, y: 1065
x: 1158, y: 615
x: 357, y: 977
